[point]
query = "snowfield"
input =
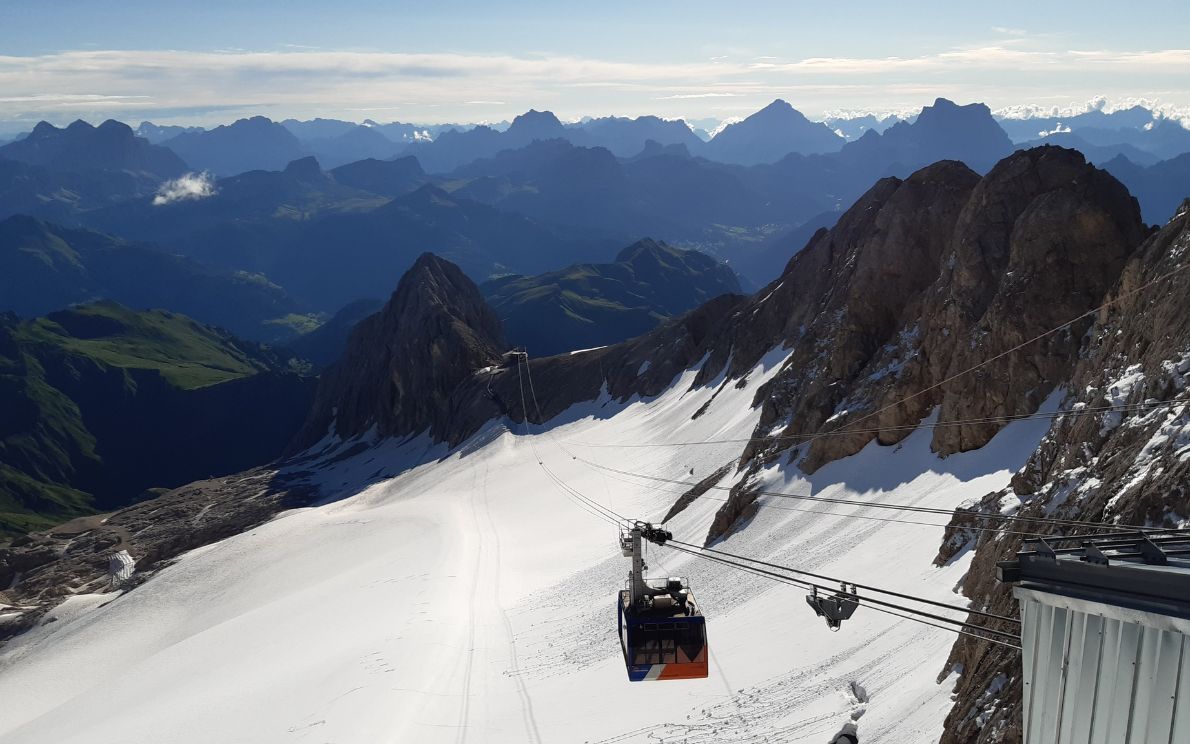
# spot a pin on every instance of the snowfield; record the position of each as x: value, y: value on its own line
x: 468, y: 599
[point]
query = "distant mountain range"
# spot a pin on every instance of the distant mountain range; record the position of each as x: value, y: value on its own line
x: 283, y: 239
x: 591, y: 305
x: 1160, y: 188
x: 577, y: 307
x: 764, y: 137
x: 80, y: 148
x: 44, y: 267
x: 248, y: 144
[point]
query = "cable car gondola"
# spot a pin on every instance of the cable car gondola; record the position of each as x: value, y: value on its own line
x: 662, y: 631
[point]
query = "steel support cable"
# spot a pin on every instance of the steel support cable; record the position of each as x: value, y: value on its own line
x: 848, y: 427
x: 607, y: 513
x: 867, y: 517
x: 802, y: 438
x: 697, y: 551
x: 533, y: 393
x: 954, y: 626
x: 592, y: 508
x: 888, y: 592
x: 1064, y: 326
x: 1070, y: 523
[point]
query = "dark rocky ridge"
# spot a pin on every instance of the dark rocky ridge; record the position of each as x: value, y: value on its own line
x: 403, y: 364
x: 1108, y: 467
x: 926, y: 278
x: 917, y: 281
x: 111, y: 146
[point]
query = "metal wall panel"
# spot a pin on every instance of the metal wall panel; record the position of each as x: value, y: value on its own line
x: 1091, y: 678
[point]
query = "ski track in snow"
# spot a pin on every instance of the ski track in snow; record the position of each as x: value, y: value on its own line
x: 468, y: 600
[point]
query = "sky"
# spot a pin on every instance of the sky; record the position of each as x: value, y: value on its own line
x: 457, y: 61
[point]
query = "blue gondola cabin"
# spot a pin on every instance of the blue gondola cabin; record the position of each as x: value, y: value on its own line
x: 664, y: 635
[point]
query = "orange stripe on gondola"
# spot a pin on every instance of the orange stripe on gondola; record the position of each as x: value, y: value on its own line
x: 693, y: 670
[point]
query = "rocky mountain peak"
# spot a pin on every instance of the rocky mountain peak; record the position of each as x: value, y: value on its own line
x: 1128, y: 467
x: 778, y: 108
x: 925, y: 278
x: 770, y: 134
x: 642, y: 247
x: 535, y: 125
x: 403, y: 364
x: 43, y: 129
x: 80, y: 147
x: 306, y: 168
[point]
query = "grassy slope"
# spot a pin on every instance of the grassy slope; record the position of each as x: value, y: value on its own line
x: 186, y: 353
x: 596, y: 304
x: 45, y: 447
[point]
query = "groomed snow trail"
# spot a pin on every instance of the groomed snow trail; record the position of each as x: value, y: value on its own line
x: 468, y: 600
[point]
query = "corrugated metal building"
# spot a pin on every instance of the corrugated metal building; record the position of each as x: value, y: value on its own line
x: 1105, y: 636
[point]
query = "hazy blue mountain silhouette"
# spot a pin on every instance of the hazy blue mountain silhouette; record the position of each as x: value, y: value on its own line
x: 942, y: 131
x: 626, y: 137
x: 1160, y: 188
x: 343, y: 256
x: 80, y: 147
x: 1097, y: 154
x: 61, y: 195
x: 1029, y: 129
x: 158, y: 133
x: 347, y: 145
x: 386, y: 177
x: 770, y: 134
x: 589, y: 305
x: 1166, y: 138
x: 45, y: 267
x: 248, y: 144
x: 316, y: 129
x: 247, y: 222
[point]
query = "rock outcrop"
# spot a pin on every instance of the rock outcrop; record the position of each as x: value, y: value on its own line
x: 918, y: 282
x: 1126, y: 467
x: 403, y: 364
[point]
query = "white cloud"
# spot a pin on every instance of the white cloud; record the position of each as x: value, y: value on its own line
x: 189, y: 187
x: 437, y: 87
x: 1161, y: 108
x: 1059, y: 128
x: 686, y: 96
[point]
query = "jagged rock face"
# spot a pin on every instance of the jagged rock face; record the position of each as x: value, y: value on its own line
x: 1128, y: 467
x: 403, y: 364
x: 920, y: 281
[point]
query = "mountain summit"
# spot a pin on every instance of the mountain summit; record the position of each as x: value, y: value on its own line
x: 533, y: 125
x: 80, y: 147
x: 403, y: 364
x: 770, y: 134
x: 943, y: 131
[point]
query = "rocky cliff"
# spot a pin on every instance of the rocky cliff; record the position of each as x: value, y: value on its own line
x: 1128, y: 467
x: 920, y: 281
x: 403, y: 364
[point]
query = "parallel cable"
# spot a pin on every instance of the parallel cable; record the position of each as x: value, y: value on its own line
x: 802, y: 438
x: 889, y: 592
x: 954, y: 626
x: 1071, y: 523
x: 848, y: 428
x: 1064, y: 326
x: 590, y: 506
